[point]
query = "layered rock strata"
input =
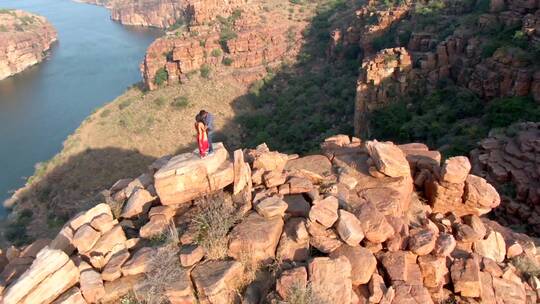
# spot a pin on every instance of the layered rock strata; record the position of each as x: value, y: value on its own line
x: 24, y: 40
x: 510, y: 161
x: 366, y: 222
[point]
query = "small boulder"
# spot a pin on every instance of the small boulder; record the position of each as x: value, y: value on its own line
x: 272, y: 206
x: 388, y: 158
x: 349, y: 228
x: 291, y: 280
x: 374, y: 224
x: 444, y: 245
x: 363, y: 262
x: 274, y: 178
x: 85, y: 238
x: 216, y: 281
x: 455, y: 170
x: 138, y: 203
x: 191, y: 254
x: 466, y: 277
x: 422, y: 241
x: 297, y: 205
x: 325, y: 211
x: 493, y: 247
x: 139, y: 262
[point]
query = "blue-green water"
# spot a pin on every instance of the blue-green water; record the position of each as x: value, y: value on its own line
x: 94, y: 61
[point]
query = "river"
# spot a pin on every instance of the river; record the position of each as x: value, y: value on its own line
x: 94, y: 60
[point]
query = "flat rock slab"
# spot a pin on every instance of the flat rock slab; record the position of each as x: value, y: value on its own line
x: 257, y: 237
x: 317, y: 164
x: 187, y: 176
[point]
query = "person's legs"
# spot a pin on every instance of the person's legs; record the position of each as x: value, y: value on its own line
x: 210, y: 147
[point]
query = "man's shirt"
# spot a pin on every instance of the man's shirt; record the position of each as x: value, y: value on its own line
x: 209, y: 121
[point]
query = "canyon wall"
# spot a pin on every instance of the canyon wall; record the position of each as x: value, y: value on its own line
x: 24, y: 40
x: 472, y: 56
x: 248, y: 41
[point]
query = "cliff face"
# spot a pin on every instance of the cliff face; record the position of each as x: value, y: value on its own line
x: 491, y: 52
x: 249, y: 40
x: 360, y: 222
x: 24, y: 40
x: 165, y: 13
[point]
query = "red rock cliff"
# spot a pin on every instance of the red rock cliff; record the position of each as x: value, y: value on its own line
x: 24, y: 39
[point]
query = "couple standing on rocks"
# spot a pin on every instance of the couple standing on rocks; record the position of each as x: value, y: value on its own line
x: 204, y: 124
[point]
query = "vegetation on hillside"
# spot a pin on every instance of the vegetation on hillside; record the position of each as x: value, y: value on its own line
x: 302, y: 103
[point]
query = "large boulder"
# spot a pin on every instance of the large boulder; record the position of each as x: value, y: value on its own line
x: 388, y: 158
x: 256, y: 237
x: 331, y: 279
x: 46, y: 264
x: 187, y: 176
x: 216, y: 281
x: 363, y: 262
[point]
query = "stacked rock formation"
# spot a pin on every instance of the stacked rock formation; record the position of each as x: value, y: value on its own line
x: 366, y: 222
x: 509, y: 160
x: 24, y: 40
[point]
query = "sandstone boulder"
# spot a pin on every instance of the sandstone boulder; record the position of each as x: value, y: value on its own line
x: 401, y: 267
x: 363, y: 262
x: 455, y: 170
x: 388, y: 158
x: 113, y: 269
x: 257, y: 237
x: 272, y: 206
x: 186, y: 176
x: 85, y: 238
x: 290, y: 280
x: 139, y: 262
x: 331, y: 279
x: 47, y: 262
x: 274, y: 178
x: 294, y: 241
x: 422, y: 241
x: 480, y: 196
x: 215, y: 281
x: 434, y: 271
x: 72, y: 296
x: 375, y: 226
x: 190, y: 255
x: 138, y: 203
x: 349, y: 228
x: 270, y: 161
x: 466, y: 277
x: 297, y: 205
x: 493, y: 247
x: 91, y: 285
x: 325, y: 211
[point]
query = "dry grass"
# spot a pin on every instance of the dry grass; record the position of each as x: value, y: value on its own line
x: 300, y: 295
x: 250, y: 267
x: 527, y: 266
x: 213, y: 223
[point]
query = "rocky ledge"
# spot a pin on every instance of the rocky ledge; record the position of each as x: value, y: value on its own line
x: 24, y: 40
x: 366, y: 222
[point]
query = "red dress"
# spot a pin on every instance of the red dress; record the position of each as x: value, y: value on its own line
x: 202, y: 139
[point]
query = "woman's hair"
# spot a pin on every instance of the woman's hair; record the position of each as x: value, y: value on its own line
x: 199, y: 118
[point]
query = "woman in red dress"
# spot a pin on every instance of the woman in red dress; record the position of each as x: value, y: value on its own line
x: 202, y: 136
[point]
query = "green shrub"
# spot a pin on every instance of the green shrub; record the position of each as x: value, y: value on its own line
x: 125, y: 103
x: 180, y: 102
x: 205, y: 71
x: 216, y: 53
x: 227, y: 61
x: 212, y: 225
x: 161, y: 76
x: 3, y: 28
x: 159, y: 102
x: 504, y: 111
x: 180, y: 22
x: 105, y: 113
x: 16, y: 232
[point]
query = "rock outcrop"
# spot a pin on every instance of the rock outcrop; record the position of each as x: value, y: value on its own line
x: 248, y: 40
x: 24, y: 40
x: 467, y: 58
x: 509, y: 160
x: 381, y: 223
